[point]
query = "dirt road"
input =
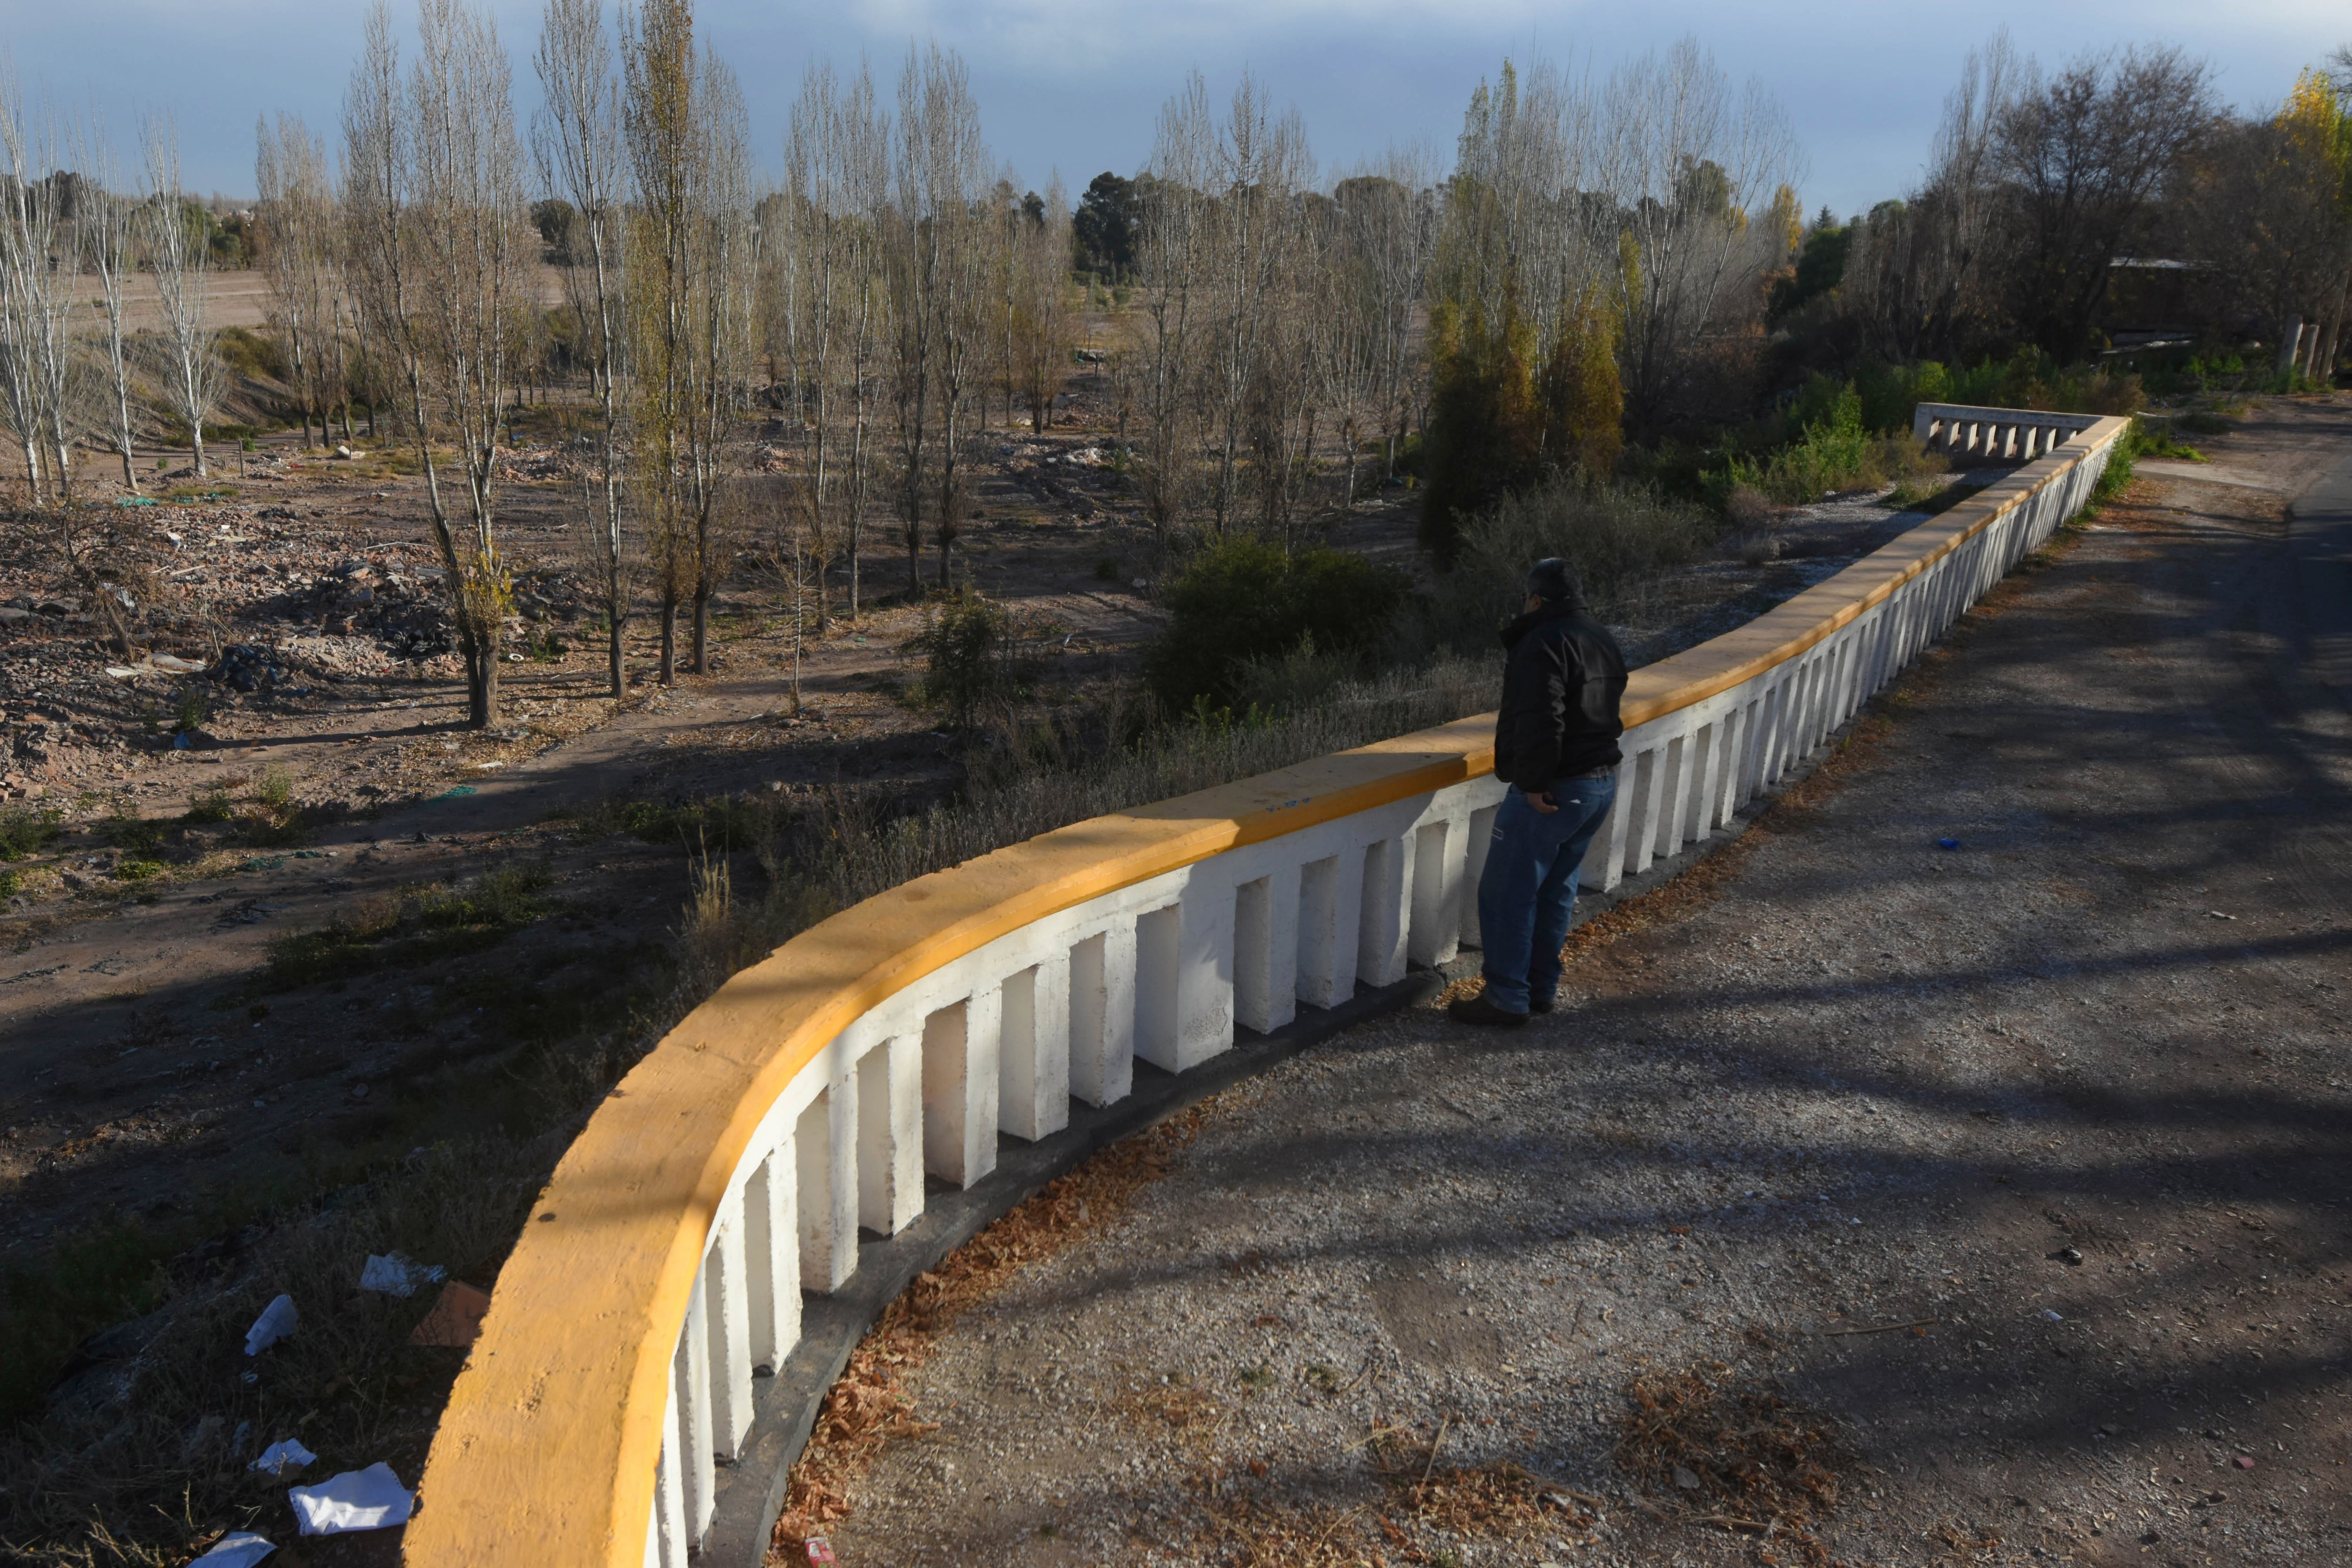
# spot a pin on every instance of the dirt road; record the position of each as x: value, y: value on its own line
x: 1867, y: 1201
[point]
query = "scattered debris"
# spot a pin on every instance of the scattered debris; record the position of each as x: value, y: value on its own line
x: 277, y: 1320
x: 394, y: 1275
x: 371, y: 1498
x: 456, y: 1319
x: 281, y: 1457
x: 238, y: 1549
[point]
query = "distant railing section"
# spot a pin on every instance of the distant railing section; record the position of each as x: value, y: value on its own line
x: 811, y: 1097
x: 1995, y: 434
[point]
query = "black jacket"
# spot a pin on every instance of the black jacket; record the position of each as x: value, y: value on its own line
x: 1561, y: 685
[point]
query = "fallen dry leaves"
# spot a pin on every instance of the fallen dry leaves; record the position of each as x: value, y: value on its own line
x: 871, y: 1406
x: 1735, y: 1456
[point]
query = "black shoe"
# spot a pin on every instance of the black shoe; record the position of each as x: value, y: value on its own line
x: 1478, y: 1010
x: 1540, y: 1003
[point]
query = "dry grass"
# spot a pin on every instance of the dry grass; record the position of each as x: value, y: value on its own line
x: 1243, y: 1525
x: 1705, y: 1449
x: 140, y: 1466
x: 871, y: 1405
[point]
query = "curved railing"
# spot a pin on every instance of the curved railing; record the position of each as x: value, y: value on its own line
x: 734, y: 1167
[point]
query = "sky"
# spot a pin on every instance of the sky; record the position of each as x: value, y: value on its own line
x: 1075, y: 85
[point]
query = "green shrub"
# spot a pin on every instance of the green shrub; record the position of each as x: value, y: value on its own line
x: 211, y: 802
x: 132, y: 833
x: 977, y: 655
x: 1243, y: 600
x: 1835, y: 450
x: 421, y: 927
x: 24, y: 831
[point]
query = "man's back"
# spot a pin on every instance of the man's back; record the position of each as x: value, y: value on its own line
x: 1562, y: 684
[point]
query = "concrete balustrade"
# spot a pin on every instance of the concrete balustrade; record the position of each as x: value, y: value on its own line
x: 1995, y: 434
x: 812, y: 1096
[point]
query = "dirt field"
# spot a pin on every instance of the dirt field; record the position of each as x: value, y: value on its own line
x: 1868, y: 1202
x: 129, y: 1075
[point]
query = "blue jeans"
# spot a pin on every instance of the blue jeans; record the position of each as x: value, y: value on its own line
x: 1527, y: 892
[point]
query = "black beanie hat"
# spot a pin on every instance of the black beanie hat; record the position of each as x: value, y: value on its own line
x: 1553, y: 581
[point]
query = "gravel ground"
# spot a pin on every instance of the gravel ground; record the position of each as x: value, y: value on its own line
x: 1995, y: 1195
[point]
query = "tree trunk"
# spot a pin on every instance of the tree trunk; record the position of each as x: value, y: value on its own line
x: 482, y: 685
x: 613, y: 656
x: 669, y: 636
x: 701, y: 630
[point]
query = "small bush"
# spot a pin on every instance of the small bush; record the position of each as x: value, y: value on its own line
x: 1243, y: 600
x: 1107, y: 569
x: 1749, y: 509
x: 24, y: 831
x: 135, y: 835
x: 420, y: 927
x: 977, y: 657
x: 213, y: 803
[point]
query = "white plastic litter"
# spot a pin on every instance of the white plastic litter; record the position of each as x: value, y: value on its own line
x: 394, y: 1275
x: 371, y: 1498
x: 279, y: 1457
x: 277, y: 1320
x: 2053, y: 1317
x: 238, y: 1549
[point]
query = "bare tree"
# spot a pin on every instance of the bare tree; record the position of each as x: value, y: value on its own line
x: 105, y: 225
x: 296, y: 216
x: 440, y: 245
x: 577, y: 139
x: 1043, y: 325
x: 179, y: 254
x: 938, y: 283
x: 1917, y: 271
x: 1686, y: 158
x: 36, y: 360
x: 691, y: 265
x: 1389, y: 218
x: 1262, y: 165
x: 2084, y: 156
x: 1169, y: 272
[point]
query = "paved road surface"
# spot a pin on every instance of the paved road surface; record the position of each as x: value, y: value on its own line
x: 2075, y: 1099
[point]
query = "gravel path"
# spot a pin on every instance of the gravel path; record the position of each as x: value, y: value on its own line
x: 1983, y: 1205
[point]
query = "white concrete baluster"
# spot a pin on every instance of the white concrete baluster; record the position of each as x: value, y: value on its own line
x: 1675, y: 791
x: 1184, y: 978
x: 1265, y: 950
x: 959, y: 1084
x: 1605, y: 863
x: 1385, y: 913
x: 690, y: 1377
x: 669, y: 1492
x: 890, y: 1136
x: 1731, y: 742
x: 728, y: 1308
x: 1034, y: 1087
x: 826, y: 1139
x: 1330, y: 895
x: 1477, y: 840
x: 1102, y: 1015
x: 1697, y: 818
x: 1436, y: 929
x: 772, y: 1245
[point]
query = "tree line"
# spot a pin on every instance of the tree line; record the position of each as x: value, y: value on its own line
x: 811, y: 359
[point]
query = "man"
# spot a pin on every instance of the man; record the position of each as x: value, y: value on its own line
x: 1556, y: 746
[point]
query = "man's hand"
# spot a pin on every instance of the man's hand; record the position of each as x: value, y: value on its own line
x: 1541, y: 800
